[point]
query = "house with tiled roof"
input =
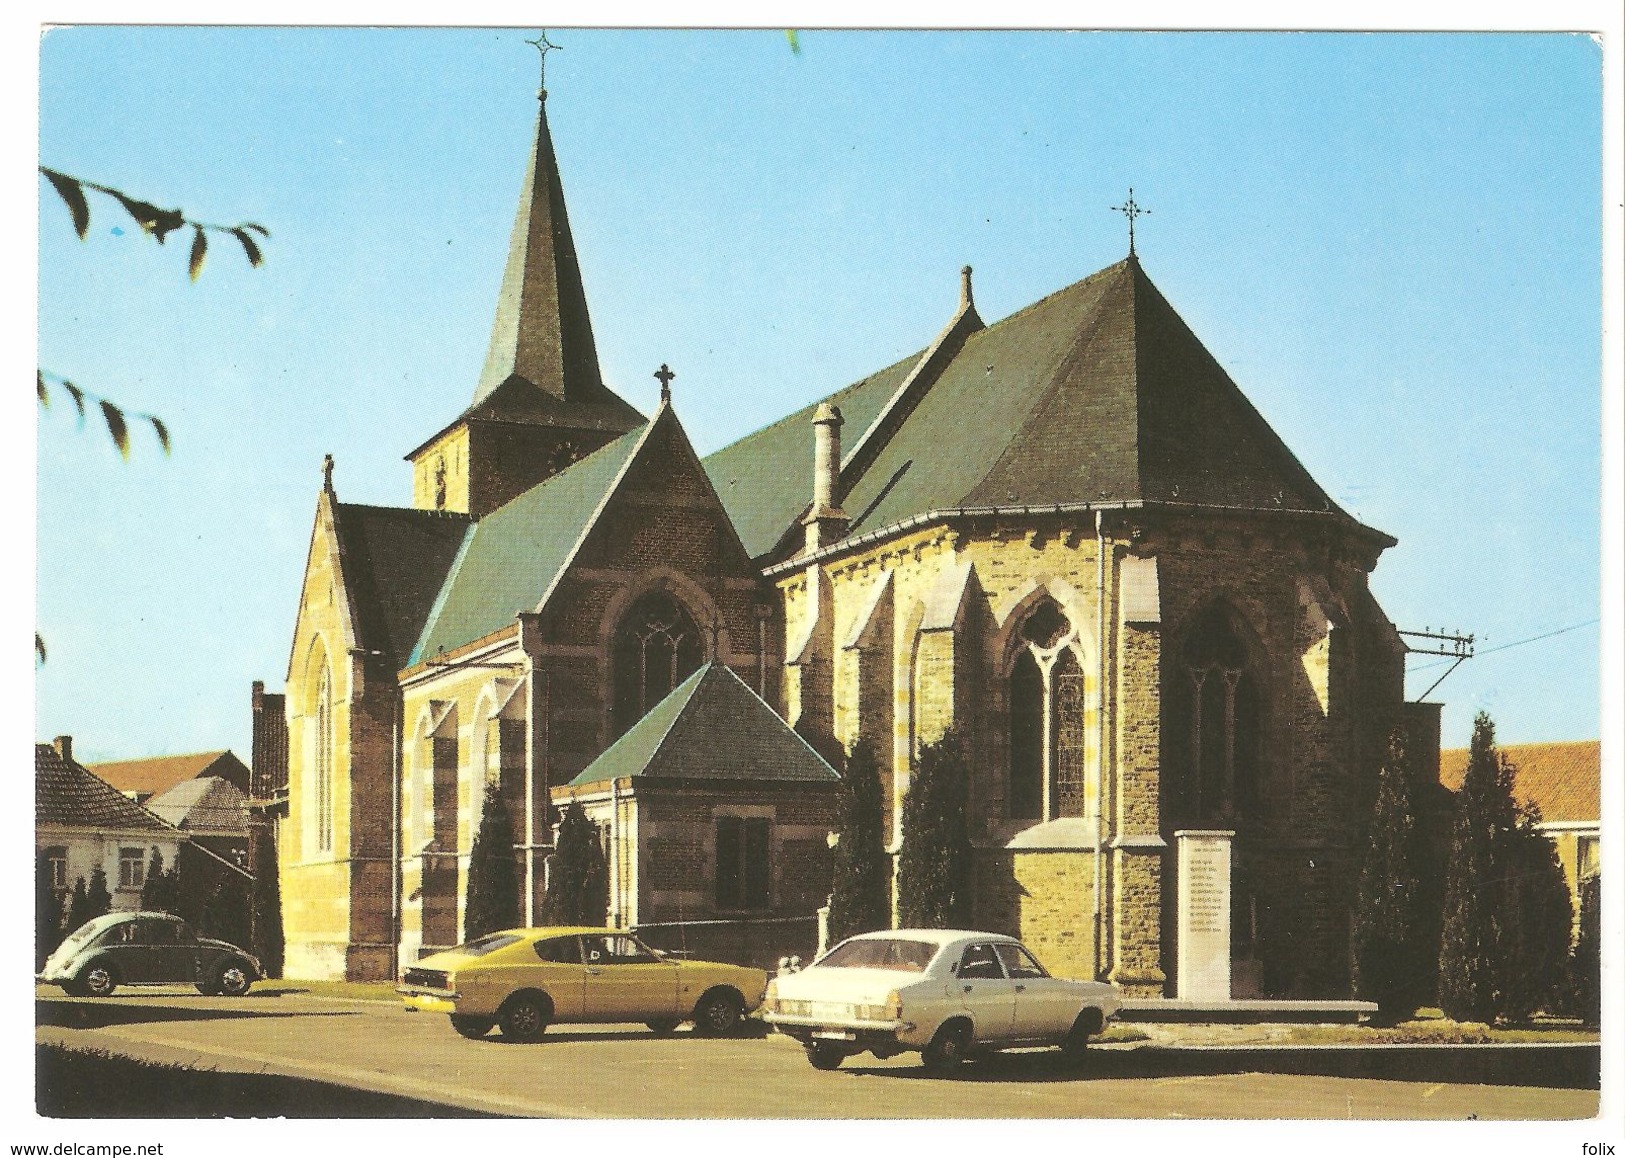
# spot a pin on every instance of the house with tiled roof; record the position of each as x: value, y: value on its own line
x: 212, y: 811
x: 143, y: 779
x: 1564, y: 781
x: 82, y: 823
x: 717, y: 817
x: 1063, y: 541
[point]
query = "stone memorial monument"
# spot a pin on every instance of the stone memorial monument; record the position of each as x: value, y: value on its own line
x: 1204, y: 914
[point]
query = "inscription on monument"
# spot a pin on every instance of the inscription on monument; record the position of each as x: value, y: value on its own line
x: 1204, y: 914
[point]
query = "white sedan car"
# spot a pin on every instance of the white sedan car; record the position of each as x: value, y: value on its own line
x: 942, y: 992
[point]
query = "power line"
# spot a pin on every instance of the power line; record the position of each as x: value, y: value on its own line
x: 1518, y: 642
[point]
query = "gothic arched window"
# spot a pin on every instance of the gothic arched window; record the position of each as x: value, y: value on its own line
x: 1223, y: 744
x: 324, y: 762
x: 657, y: 646
x: 1047, y: 737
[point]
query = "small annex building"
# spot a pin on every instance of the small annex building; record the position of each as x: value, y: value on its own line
x: 212, y: 811
x: 716, y: 816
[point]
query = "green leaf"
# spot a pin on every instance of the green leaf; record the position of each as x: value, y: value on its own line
x: 257, y: 228
x: 78, y: 397
x: 200, y: 247
x: 116, y: 427
x: 39, y: 646
x: 44, y: 394
x: 158, y: 222
x: 794, y: 38
x: 160, y: 430
x: 252, y: 250
x: 70, y: 192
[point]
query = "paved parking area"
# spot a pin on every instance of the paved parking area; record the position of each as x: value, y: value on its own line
x: 627, y: 1072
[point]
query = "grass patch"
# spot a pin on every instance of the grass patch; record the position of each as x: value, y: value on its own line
x: 1432, y: 1031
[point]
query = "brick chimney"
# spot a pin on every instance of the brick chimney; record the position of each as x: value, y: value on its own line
x: 826, y: 522
x: 64, y: 748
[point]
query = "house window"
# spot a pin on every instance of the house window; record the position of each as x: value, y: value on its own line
x: 324, y: 763
x: 57, y: 858
x: 742, y: 862
x: 132, y: 868
x: 1585, y: 857
x: 657, y: 647
x: 1048, y: 742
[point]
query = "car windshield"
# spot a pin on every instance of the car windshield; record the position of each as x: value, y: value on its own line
x: 880, y: 953
x: 487, y: 944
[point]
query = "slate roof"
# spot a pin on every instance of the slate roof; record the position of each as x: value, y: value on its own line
x: 1563, y: 779
x: 68, y: 794
x: 1097, y: 393
x: 395, y: 561
x: 712, y: 726
x: 160, y: 773
x: 509, y: 560
x: 208, y: 803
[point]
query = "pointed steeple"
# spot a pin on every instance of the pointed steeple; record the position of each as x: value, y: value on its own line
x: 542, y: 332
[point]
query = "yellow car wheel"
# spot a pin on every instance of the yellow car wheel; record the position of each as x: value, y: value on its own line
x: 719, y: 1013
x: 524, y: 1016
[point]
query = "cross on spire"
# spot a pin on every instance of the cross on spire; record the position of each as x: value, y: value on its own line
x: 665, y: 374
x: 1131, y: 210
x: 543, y: 46
x: 327, y: 473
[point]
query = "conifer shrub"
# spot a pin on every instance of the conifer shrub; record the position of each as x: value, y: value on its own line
x: 48, y: 912
x: 1585, y: 966
x: 492, y: 901
x: 1390, y: 942
x: 861, y: 900
x: 934, y: 867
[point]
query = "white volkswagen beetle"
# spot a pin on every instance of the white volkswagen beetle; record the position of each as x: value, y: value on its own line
x: 942, y: 992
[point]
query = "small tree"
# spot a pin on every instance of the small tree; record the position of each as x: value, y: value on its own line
x: 493, y: 878
x: 161, y: 890
x: 577, y: 890
x: 1475, y: 954
x: 47, y: 911
x: 934, y: 869
x: 97, y: 899
x: 861, y: 900
x: 1585, y: 966
x: 78, y: 906
x: 1542, y: 918
x: 1389, y: 942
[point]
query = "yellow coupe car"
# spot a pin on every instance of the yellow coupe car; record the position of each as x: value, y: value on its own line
x: 523, y: 979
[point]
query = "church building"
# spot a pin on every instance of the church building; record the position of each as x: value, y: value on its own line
x: 1064, y: 540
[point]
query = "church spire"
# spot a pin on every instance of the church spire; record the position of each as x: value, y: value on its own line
x: 542, y: 332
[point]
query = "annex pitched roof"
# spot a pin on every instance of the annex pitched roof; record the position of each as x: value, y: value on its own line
x: 158, y: 774
x: 69, y: 795
x: 712, y: 726
x: 1098, y: 393
x: 1564, y: 780
x: 394, y: 562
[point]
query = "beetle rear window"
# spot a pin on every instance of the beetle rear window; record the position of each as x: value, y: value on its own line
x: 881, y: 953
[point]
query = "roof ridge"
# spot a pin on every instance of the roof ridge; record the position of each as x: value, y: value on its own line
x: 151, y: 759
x: 453, y: 516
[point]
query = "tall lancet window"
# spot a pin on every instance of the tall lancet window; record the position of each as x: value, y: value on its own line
x: 1047, y: 736
x: 324, y: 762
x: 1223, y: 745
x: 657, y: 647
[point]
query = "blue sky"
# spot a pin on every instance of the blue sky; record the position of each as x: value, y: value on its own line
x: 1392, y: 242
